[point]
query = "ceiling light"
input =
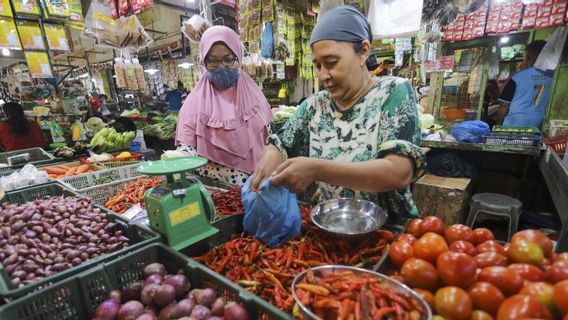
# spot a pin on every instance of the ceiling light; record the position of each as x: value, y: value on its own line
x: 5, y: 52
x: 504, y: 39
x: 185, y: 65
x: 151, y: 70
x: 191, y: 1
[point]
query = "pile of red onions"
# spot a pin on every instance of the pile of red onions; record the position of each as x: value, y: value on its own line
x: 41, y: 238
x: 166, y: 297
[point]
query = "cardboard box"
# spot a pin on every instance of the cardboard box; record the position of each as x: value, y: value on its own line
x: 446, y: 198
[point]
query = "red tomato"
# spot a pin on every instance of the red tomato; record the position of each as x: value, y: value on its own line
x: 522, y: 306
x: 457, y: 232
x: 560, y: 293
x: 414, y: 227
x: 456, y: 269
x: 480, y: 315
x: 463, y: 247
x: 557, y: 272
x: 400, y: 251
x: 508, y: 281
x: 486, y: 297
x: 430, y: 246
x: 491, y: 245
x: 524, y: 251
x: 528, y: 271
x: 453, y: 303
x: 432, y: 224
x: 543, y: 292
x: 407, y: 237
x: 560, y: 256
x: 419, y: 273
x: 537, y: 237
x: 480, y: 235
x: 426, y: 295
x: 546, y: 264
x: 488, y: 259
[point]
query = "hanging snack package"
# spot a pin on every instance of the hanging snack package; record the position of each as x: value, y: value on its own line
x: 76, y: 19
x: 124, y: 9
x: 138, y: 6
x: 543, y: 15
x: 101, y: 26
x: 56, y: 132
x: 5, y: 9
x: 26, y: 6
x: 529, y: 16
x: 558, y: 12
x: 56, y: 37
x: 8, y: 34
x: 120, y: 73
x: 194, y: 27
x: 58, y: 8
x: 113, y: 9
x: 30, y: 35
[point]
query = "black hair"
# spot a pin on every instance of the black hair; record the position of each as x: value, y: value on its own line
x: 372, y: 62
x: 15, y: 118
x: 180, y: 84
x: 357, y: 46
x: 103, y: 96
x: 534, y: 48
x: 124, y: 124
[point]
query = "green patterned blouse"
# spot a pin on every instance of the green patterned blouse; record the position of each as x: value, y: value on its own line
x: 384, y: 121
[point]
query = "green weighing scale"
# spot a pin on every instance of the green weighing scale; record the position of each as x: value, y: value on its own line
x: 181, y: 209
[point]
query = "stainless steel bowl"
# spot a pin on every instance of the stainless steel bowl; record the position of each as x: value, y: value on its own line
x: 388, y: 283
x: 348, y: 217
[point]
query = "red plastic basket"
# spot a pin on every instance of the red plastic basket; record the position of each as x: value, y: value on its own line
x: 557, y: 143
x: 135, y: 157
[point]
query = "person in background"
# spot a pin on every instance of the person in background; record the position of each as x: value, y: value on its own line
x: 358, y: 138
x: 373, y: 65
x: 174, y: 97
x: 105, y: 111
x: 526, y: 94
x: 17, y: 132
x: 226, y: 116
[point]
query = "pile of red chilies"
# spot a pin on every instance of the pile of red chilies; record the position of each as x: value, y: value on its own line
x: 269, y: 272
x: 228, y: 202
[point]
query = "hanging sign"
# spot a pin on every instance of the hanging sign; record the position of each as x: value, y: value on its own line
x: 38, y: 63
x: 8, y: 34
x: 445, y: 63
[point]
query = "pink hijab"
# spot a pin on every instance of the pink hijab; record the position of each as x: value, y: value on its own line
x: 227, y: 126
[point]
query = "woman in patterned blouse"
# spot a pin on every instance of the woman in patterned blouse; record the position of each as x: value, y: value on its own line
x: 360, y: 137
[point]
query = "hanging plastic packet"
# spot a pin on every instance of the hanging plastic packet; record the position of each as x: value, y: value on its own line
x: 267, y: 41
x: 56, y: 132
x: 194, y: 27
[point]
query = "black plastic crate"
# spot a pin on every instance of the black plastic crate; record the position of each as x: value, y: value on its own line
x: 78, y: 297
x: 139, y: 237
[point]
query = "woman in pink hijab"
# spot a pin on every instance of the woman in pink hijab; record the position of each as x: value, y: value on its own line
x: 225, y: 118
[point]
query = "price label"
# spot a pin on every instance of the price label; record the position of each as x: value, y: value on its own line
x: 63, y: 44
x: 133, y: 211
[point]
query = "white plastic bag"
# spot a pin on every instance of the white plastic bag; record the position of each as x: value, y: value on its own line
x: 550, y: 55
x: 395, y: 18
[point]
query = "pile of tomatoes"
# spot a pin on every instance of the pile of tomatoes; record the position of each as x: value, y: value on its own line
x: 465, y: 274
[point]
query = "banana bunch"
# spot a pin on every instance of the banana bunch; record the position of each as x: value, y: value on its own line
x: 108, y: 139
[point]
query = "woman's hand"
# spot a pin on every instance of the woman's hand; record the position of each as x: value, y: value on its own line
x: 271, y: 158
x: 296, y: 174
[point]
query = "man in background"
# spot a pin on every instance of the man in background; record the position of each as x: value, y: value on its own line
x: 174, y: 97
x: 526, y: 94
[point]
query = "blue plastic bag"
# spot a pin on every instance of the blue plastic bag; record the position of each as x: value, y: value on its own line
x: 272, y: 215
x: 267, y: 41
x: 470, y: 131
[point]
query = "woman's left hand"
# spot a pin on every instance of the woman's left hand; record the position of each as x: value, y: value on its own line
x: 296, y: 174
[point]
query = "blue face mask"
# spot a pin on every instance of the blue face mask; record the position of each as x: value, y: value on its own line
x: 223, y: 77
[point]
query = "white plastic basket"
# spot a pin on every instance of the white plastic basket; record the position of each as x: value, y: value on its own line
x: 101, y: 177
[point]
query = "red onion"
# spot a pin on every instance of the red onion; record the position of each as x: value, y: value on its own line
x: 108, y: 309
x: 183, y: 309
x: 130, y: 310
x: 154, y: 278
x: 200, y: 312
x: 180, y: 282
x: 205, y: 296
x: 218, y: 307
x: 165, y: 295
x: 154, y: 268
x: 148, y: 293
x: 132, y: 291
x: 234, y: 311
